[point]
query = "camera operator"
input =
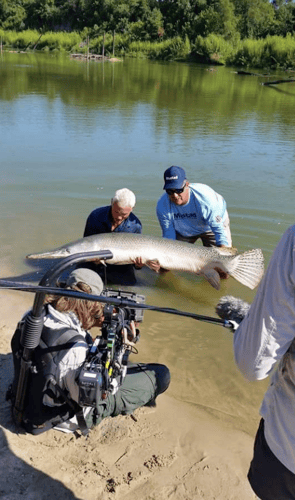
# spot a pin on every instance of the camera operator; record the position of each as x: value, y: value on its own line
x: 53, y: 402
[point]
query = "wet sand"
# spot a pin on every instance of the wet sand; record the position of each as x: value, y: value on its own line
x: 173, y: 451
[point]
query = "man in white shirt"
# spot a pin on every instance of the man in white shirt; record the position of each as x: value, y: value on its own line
x: 264, y: 338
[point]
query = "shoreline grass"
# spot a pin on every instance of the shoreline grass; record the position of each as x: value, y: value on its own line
x: 274, y: 52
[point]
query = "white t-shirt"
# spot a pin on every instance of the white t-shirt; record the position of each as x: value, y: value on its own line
x: 265, y: 337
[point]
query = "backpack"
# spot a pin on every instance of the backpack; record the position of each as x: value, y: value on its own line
x: 53, y: 346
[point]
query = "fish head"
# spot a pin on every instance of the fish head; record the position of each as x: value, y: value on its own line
x: 54, y: 254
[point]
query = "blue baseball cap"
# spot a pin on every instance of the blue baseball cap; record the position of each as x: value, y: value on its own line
x: 174, y: 178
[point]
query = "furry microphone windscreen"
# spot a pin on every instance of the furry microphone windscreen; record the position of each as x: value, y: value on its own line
x: 232, y: 308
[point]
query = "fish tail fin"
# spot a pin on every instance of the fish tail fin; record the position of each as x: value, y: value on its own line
x: 249, y: 268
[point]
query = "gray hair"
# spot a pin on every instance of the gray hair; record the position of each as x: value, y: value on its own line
x: 124, y: 197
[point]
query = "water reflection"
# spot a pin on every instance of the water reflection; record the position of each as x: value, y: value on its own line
x: 182, y: 91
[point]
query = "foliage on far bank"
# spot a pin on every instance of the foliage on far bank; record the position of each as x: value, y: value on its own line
x: 152, y: 20
x: 171, y: 49
x: 213, y: 49
x: 32, y: 39
x: 121, y: 45
x: 270, y: 52
x: 257, y: 33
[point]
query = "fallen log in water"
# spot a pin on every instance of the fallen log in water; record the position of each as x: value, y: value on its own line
x: 95, y: 57
x: 275, y: 82
x: 242, y: 72
x: 88, y: 56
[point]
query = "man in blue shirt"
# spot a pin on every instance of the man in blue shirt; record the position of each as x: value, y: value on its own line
x: 117, y: 217
x: 188, y: 212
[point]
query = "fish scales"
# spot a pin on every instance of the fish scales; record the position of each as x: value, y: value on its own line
x: 247, y: 267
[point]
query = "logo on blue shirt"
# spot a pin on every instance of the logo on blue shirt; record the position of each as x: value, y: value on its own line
x: 185, y: 216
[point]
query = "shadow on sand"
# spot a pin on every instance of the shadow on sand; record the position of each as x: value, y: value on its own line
x: 19, y: 479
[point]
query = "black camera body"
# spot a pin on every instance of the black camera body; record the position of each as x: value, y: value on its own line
x: 130, y: 313
x: 105, y: 366
x: 91, y: 378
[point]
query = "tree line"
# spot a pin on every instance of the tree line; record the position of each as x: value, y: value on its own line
x: 153, y: 20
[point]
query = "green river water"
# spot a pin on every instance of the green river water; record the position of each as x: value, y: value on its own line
x: 72, y: 132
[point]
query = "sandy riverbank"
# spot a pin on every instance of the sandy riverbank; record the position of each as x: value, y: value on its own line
x: 173, y: 451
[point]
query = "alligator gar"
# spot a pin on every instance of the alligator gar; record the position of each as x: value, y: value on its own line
x: 247, y: 267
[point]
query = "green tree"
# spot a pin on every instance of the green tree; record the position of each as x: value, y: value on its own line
x: 121, y: 15
x: 13, y: 15
x: 284, y: 17
x: 219, y: 18
x: 70, y: 14
x: 255, y: 17
x: 180, y: 16
x: 43, y: 14
x: 154, y: 24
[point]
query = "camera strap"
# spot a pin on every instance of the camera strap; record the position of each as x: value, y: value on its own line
x: 77, y: 408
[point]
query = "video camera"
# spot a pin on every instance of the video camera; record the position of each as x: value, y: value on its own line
x: 105, y: 367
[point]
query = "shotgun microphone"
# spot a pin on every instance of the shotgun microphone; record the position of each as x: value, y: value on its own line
x: 232, y: 309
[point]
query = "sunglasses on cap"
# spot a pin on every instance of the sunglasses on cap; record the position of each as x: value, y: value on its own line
x: 175, y: 191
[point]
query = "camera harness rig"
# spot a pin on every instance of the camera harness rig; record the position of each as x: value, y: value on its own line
x: 105, y: 367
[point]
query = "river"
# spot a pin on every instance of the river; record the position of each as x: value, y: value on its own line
x: 72, y: 132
